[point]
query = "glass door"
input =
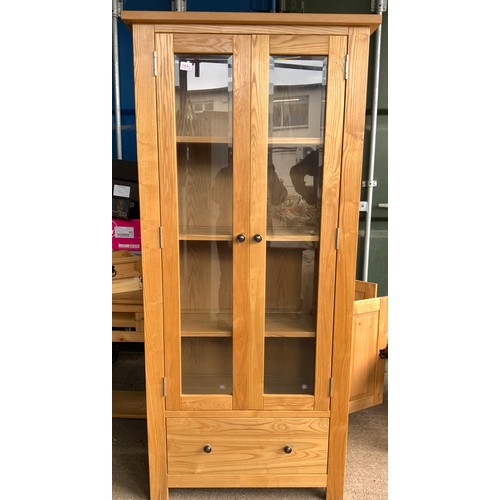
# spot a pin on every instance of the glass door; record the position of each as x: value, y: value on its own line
x: 301, y: 222
x: 202, y: 92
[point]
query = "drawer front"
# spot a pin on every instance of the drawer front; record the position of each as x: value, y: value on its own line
x: 247, y: 445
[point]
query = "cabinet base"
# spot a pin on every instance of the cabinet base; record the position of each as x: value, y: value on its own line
x: 247, y: 481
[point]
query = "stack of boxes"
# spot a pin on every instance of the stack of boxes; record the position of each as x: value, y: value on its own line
x: 126, y: 229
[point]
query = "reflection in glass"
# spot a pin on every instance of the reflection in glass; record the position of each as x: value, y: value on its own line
x: 295, y: 174
x: 203, y: 97
x: 296, y: 129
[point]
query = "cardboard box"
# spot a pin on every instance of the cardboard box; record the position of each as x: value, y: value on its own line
x: 124, y: 209
x: 125, y: 170
x: 126, y: 234
x: 125, y: 190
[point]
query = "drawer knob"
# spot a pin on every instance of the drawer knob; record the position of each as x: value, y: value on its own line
x: 287, y: 450
x: 207, y: 448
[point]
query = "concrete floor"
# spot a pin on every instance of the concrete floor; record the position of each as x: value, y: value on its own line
x: 366, y: 468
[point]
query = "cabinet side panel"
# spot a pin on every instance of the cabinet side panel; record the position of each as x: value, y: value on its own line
x: 352, y: 156
x: 145, y: 104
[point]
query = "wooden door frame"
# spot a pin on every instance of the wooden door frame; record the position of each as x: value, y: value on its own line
x: 352, y: 157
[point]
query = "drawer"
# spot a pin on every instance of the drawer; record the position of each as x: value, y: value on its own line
x: 247, y: 445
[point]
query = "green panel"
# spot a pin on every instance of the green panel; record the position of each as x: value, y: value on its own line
x: 380, y: 171
x: 378, y: 261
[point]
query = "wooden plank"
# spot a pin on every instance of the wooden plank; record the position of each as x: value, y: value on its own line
x: 129, y: 298
x: 169, y: 217
x: 365, y: 290
x: 241, y: 224
x: 366, y: 306
x: 129, y: 404
x: 126, y: 284
x: 248, y: 481
x: 122, y: 336
x: 298, y: 44
x: 329, y: 219
x: 251, y: 19
x: 288, y: 402
x: 193, y: 44
x: 258, y: 218
x: 352, y: 156
x: 248, y: 414
x: 206, y: 402
x: 235, y: 29
x: 147, y: 157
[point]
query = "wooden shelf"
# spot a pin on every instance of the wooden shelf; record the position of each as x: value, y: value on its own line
x: 206, y: 234
x: 129, y: 404
x: 305, y: 141
x: 302, y: 141
x: 206, y: 325
x: 278, y: 324
x: 290, y: 325
x: 292, y: 237
x: 203, y: 140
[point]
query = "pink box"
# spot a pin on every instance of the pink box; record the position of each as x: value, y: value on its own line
x: 126, y: 234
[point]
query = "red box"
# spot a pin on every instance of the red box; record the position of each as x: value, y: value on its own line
x: 126, y: 234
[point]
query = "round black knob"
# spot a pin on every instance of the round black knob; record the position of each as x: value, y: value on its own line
x: 287, y: 449
x: 207, y: 448
x: 241, y: 238
x: 257, y: 238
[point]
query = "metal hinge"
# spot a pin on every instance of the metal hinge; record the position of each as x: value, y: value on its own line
x: 369, y: 184
x: 154, y: 63
x: 160, y: 236
x: 346, y: 71
x: 337, y: 239
x: 331, y: 387
x: 363, y: 206
x: 164, y: 387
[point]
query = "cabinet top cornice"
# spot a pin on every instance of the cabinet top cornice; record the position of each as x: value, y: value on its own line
x: 131, y: 17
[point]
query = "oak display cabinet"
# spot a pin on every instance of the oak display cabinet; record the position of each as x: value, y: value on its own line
x: 250, y: 136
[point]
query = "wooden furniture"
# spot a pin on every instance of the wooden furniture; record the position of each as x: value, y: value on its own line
x: 250, y: 138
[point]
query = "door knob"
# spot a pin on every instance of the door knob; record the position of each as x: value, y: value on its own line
x: 207, y: 448
x: 257, y: 238
x: 241, y: 237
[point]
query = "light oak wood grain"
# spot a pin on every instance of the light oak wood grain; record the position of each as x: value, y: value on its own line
x: 247, y: 445
x: 352, y: 153
x: 149, y: 196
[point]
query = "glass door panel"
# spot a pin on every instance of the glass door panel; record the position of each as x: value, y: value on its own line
x: 295, y: 173
x: 203, y: 109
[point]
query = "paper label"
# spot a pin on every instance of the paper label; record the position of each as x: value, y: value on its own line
x: 122, y: 191
x: 186, y: 66
x: 124, y: 232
